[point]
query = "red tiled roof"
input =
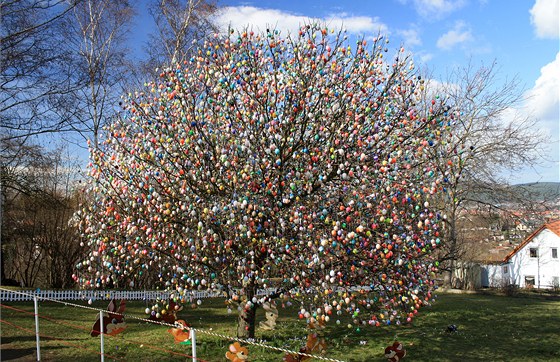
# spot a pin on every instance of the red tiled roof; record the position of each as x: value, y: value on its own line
x: 553, y: 226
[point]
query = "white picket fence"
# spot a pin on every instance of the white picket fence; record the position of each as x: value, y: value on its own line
x: 149, y: 295
x: 28, y: 295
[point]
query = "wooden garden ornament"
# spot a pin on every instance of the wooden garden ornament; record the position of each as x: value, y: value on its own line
x: 181, y: 333
x: 395, y: 352
x: 315, y: 342
x: 271, y: 314
x: 237, y: 353
x: 113, y: 323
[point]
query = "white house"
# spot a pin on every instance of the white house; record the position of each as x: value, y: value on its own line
x: 532, y: 264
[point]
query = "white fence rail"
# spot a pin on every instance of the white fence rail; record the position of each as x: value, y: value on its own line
x: 28, y: 295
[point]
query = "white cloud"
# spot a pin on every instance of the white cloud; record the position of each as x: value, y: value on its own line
x: 542, y: 104
x: 458, y: 35
x: 357, y: 24
x: 437, y: 9
x: 544, y: 17
x: 435, y: 88
x: 543, y: 100
x: 411, y: 37
x: 239, y: 17
x: 425, y: 57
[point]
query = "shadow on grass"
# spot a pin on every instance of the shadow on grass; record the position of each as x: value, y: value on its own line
x: 10, y: 354
x: 26, y: 354
x: 18, y: 339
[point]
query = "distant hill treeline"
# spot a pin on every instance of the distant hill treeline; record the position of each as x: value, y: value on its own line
x: 540, y: 192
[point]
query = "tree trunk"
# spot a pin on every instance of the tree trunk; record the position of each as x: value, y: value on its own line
x: 453, y: 248
x: 246, y: 321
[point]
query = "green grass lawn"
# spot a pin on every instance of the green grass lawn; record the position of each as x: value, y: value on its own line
x: 490, y: 328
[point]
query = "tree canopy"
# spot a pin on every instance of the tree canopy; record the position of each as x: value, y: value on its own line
x: 299, y: 163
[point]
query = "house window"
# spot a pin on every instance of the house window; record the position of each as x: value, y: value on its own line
x: 505, y: 269
x: 554, y: 253
x: 529, y: 281
x: 555, y: 282
x: 533, y: 252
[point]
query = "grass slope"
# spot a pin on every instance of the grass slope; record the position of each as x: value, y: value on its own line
x: 490, y: 328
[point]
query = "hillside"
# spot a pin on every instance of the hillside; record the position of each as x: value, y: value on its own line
x: 539, y: 191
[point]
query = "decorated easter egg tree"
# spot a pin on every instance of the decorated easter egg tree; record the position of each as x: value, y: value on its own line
x: 298, y: 163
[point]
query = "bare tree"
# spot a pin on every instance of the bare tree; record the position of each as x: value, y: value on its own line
x: 179, y: 23
x: 96, y: 36
x: 489, y: 140
x: 20, y: 182
x: 39, y: 246
x: 30, y: 67
x: 58, y: 239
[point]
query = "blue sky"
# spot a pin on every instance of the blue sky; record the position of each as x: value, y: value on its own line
x: 522, y: 36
